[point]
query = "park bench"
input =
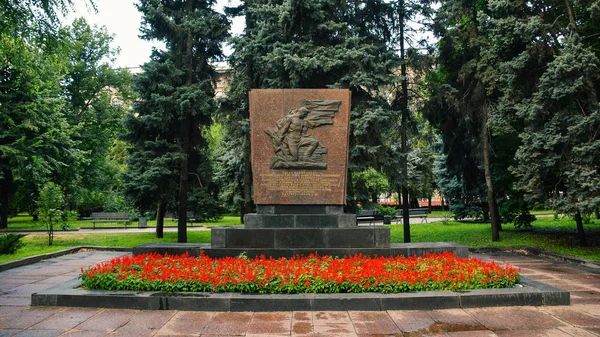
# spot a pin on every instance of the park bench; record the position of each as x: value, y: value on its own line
x: 109, y: 217
x: 413, y: 213
x: 365, y: 215
x: 190, y: 218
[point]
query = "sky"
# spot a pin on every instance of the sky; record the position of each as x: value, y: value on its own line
x: 122, y: 19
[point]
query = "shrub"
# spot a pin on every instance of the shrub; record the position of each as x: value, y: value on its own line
x: 387, y: 211
x: 9, y: 243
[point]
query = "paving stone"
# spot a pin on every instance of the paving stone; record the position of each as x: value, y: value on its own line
x: 15, y: 301
x: 185, y: 323
x: 411, y: 320
x: 146, y: 322
x: 592, y: 309
x: 8, y: 332
x: 373, y: 322
x: 302, y: 323
x: 577, y: 332
x: 12, y: 310
x: 66, y: 319
x: 527, y: 333
x: 107, y: 320
x: 452, y: 316
x: 25, y: 290
x: 330, y: 317
x: 334, y: 328
x: 26, y: 318
x: 485, y: 333
x: 270, y: 323
x: 228, y: 323
x: 58, y: 279
x: 86, y: 333
x: 573, y: 316
x: 514, y: 318
x: 39, y: 333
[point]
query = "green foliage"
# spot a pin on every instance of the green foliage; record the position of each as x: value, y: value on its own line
x: 60, y: 117
x: 37, y: 141
x: 387, y: 210
x: 516, y: 211
x: 311, y: 44
x: 204, y: 205
x: 167, y: 153
x: 51, y: 209
x: 97, y: 98
x: 369, y: 184
x: 10, y: 243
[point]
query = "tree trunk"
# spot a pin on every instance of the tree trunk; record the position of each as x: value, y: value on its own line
x: 429, y: 204
x: 403, y: 132
x: 442, y: 198
x: 160, y: 219
x: 186, y: 126
x: 493, y: 208
x: 6, y: 191
x: 248, y: 202
x: 597, y: 212
x: 580, y: 231
x: 350, y: 202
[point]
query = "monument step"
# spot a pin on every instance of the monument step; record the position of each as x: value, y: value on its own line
x: 312, y: 238
x: 395, y: 249
x: 254, y: 220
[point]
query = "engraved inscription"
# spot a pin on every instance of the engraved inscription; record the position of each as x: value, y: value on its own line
x: 290, y: 183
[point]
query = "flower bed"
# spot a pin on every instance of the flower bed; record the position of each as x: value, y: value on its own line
x: 312, y: 274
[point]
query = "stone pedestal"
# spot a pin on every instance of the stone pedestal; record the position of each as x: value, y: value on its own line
x: 300, y: 216
x: 313, y: 238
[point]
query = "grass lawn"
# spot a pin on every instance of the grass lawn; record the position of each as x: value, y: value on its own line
x: 547, y: 233
x: 36, y: 244
x: 440, y: 214
x: 558, y: 236
x: 25, y: 222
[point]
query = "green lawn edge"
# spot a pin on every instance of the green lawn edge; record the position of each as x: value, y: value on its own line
x: 556, y: 235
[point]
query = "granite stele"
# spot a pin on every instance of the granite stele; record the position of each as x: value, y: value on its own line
x: 299, y: 145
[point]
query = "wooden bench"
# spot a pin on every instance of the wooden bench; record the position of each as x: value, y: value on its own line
x: 413, y: 213
x: 367, y: 214
x: 109, y: 217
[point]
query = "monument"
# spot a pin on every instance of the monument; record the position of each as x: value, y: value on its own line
x: 299, y: 143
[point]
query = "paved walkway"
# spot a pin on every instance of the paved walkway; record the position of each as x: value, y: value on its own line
x: 581, y: 319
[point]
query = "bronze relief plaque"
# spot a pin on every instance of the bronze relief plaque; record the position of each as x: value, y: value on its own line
x: 299, y: 140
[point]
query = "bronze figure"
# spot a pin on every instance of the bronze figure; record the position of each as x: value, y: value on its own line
x: 294, y: 147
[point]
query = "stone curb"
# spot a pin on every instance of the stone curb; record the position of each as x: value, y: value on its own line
x: 538, y: 252
x: 530, y: 293
x: 37, y: 258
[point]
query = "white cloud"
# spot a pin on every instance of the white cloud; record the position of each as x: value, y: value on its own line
x: 122, y: 19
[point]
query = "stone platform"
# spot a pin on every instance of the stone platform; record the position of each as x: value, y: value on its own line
x: 529, y: 293
x: 395, y: 249
x: 309, y: 238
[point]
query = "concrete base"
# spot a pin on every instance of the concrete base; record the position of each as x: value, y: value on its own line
x: 529, y: 294
x: 299, y: 216
x: 395, y: 249
x: 310, y: 238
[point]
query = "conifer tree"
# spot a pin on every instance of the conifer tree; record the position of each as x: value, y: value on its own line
x: 314, y: 44
x: 176, y: 98
x: 549, y: 98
